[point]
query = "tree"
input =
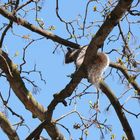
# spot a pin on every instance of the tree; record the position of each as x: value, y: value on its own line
x: 108, y: 26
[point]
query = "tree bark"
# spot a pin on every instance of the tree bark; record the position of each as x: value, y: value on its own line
x: 7, y: 128
x: 118, y: 108
x: 25, y: 96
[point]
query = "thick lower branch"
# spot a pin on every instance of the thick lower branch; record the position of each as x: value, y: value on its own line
x: 118, y: 108
x: 7, y: 128
x: 18, y: 86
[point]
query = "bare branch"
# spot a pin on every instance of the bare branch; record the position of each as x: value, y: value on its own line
x: 25, y: 96
x: 94, y: 45
x: 23, y: 5
x: 38, y: 30
x: 119, y: 110
x: 131, y: 80
x: 7, y: 128
x: 4, y: 34
x: 9, y: 25
x: 110, y: 22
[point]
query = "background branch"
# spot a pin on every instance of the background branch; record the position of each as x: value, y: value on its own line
x: 130, y: 79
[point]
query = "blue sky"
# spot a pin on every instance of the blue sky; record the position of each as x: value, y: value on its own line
x: 55, y: 73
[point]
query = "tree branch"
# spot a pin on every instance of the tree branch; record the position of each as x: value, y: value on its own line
x: 123, y: 69
x: 38, y: 30
x: 18, y: 86
x: 7, y: 128
x: 118, y: 108
x: 91, y: 52
x: 66, y: 92
x: 111, y: 21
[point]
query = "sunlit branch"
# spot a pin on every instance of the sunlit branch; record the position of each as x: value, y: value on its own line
x: 25, y: 96
x: 7, y: 128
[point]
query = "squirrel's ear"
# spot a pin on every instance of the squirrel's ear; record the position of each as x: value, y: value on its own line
x: 68, y: 58
x: 71, y: 55
x: 69, y: 50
